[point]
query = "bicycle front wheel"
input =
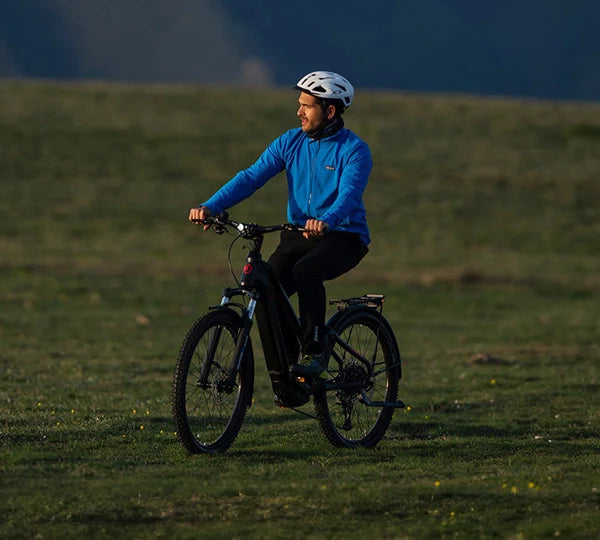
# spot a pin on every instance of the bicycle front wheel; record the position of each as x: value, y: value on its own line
x: 344, y: 415
x: 209, y: 403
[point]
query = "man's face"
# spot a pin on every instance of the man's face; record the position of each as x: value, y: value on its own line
x: 311, y: 114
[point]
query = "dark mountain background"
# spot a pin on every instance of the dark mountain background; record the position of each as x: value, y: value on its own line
x: 533, y: 48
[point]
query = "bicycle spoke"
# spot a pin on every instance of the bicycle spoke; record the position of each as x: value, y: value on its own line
x: 207, y: 407
x: 345, y: 417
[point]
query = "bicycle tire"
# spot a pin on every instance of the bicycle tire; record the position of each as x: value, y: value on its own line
x: 209, y: 414
x: 345, y: 419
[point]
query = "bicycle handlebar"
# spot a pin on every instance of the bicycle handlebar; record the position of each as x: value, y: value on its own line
x: 246, y: 230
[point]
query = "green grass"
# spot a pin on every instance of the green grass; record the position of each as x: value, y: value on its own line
x: 484, y: 214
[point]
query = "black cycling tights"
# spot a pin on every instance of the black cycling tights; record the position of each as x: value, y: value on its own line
x: 302, y: 265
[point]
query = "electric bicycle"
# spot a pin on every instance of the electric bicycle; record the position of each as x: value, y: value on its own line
x: 214, y: 376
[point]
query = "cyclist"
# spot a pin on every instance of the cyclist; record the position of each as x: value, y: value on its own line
x: 327, y: 168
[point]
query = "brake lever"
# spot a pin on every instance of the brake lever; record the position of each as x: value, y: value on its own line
x: 218, y: 228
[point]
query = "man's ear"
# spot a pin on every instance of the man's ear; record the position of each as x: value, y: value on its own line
x: 330, y: 112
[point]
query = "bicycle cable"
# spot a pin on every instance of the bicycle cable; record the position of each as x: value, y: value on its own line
x: 229, y: 259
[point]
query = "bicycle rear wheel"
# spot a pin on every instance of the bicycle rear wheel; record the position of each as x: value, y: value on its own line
x: 344, y: 416
x: 209, y: 406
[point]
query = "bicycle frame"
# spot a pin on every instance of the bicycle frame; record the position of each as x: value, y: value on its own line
x: 279, y: 328
x: 213, y: 383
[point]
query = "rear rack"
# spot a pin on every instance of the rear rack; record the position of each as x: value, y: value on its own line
x: 369, y: 300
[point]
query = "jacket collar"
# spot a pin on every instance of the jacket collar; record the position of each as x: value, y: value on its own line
x: 329, y: 129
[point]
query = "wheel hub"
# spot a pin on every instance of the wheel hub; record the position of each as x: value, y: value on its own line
x: 347, y: 398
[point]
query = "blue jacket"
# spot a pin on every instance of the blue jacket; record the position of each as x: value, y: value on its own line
x: 326, y: 179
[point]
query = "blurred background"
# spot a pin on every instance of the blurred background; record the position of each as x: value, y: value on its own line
x: 533, y: 48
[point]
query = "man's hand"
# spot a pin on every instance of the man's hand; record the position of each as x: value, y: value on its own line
x: 314, y: 227
x: 200, y: 213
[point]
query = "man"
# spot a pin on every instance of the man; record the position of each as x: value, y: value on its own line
x: 327, y: 168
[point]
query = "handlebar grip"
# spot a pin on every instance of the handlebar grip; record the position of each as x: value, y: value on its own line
x: 223, y: 217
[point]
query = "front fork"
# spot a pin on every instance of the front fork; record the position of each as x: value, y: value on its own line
x: 244, y: 335
x: 241, y: 343
x: 242, y: 340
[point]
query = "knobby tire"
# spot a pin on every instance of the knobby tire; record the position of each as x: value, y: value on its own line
x: 209, y: 413
x: 345, y: 419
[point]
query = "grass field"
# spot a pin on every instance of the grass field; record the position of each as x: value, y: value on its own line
x: 486, y: 237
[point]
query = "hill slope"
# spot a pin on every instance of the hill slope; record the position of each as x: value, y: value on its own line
x: 506, y: 188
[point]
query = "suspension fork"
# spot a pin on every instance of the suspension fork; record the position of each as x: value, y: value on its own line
x: 209, y: 355
x: 213, y: 342
x: 241, y: 342
x: 242, y: 339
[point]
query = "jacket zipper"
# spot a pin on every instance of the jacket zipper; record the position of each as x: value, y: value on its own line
x: 312, y: 177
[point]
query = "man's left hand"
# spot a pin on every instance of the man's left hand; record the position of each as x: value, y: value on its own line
x: 314, y: 228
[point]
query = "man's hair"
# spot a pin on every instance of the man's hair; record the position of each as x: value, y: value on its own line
x: 337, y: 103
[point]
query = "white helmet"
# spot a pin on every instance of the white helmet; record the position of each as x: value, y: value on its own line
x: 327, y: 85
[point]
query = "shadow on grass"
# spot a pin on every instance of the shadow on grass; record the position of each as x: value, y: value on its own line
x: 475, y: 440
x: 281, y: 437
x: 24, y: 432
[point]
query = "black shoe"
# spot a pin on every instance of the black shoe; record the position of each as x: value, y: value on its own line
x: 311, y: 365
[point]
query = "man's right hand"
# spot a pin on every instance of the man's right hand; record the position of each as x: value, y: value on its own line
x: 200, y: 213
